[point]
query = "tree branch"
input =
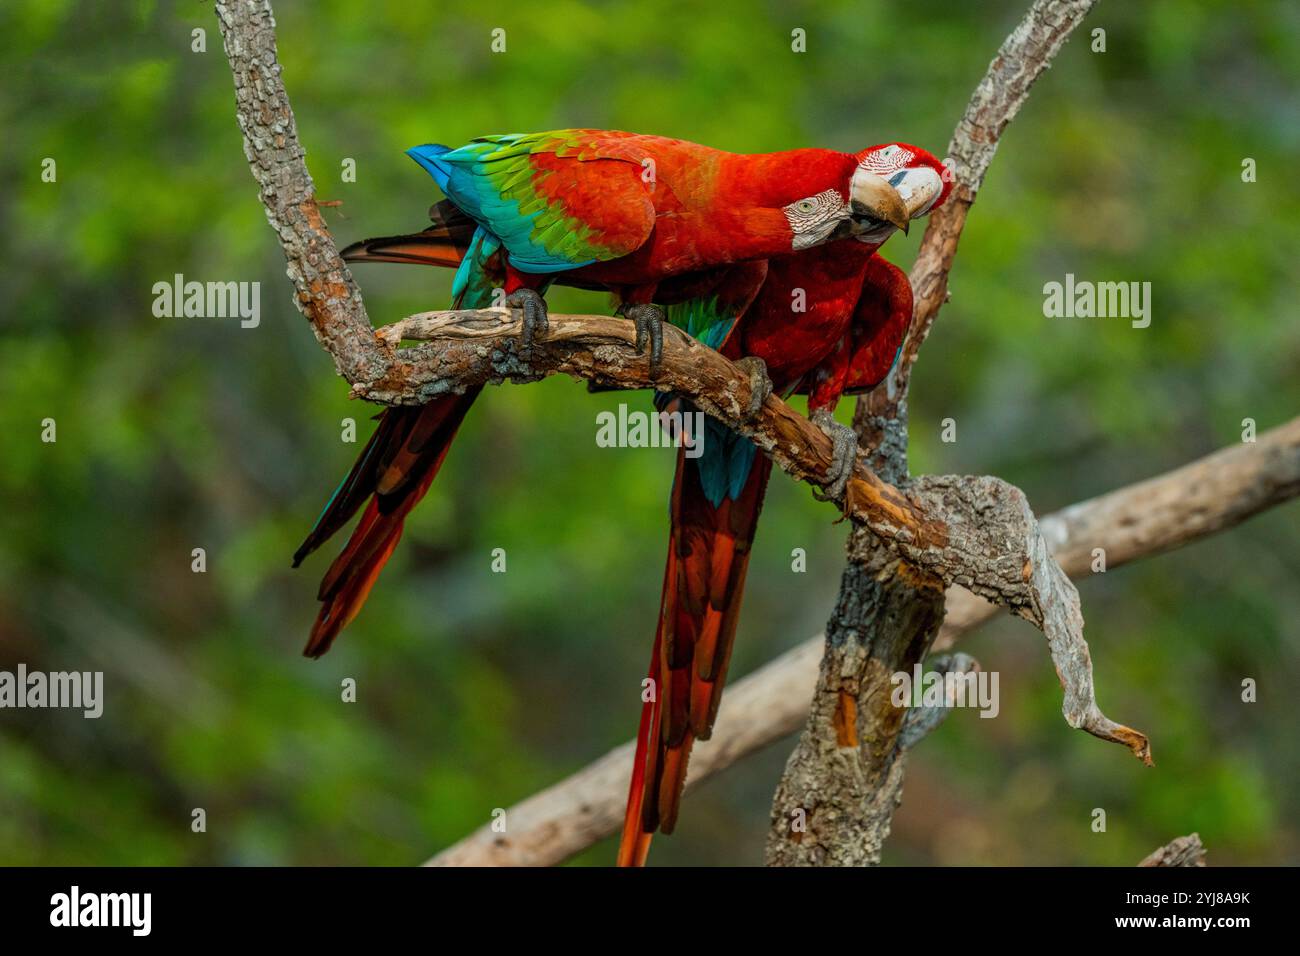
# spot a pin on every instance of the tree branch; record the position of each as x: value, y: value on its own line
x: 975, y: 531
x: 1160, y: 514
x: 835, y: 802
x: 326, y: 292
x: 922, y: 721
x: 1023, y: 57
x: 1181, y: 851
x: 881, y: 417
x: 1181, y: 507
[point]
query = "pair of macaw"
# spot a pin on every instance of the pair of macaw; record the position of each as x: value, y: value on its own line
x: 769, y: 258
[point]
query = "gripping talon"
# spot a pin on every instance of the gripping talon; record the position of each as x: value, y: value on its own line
x: 844, y: 455
x: 649, y: 321
x: 533, y: 306
x: 760, y: 385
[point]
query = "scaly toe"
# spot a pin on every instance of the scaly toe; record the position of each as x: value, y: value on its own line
x: 844, y: 454
x: 533, y: 306
x: 649, y: 322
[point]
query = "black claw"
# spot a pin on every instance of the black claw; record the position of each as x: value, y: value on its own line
x: 844, y: 455
x: 649, y: 321
x: 760, y: 384
x: 533, y: 306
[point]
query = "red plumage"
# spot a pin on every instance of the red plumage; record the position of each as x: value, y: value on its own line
x: 858, y: 309
x: 392, y: 474
x: 648, y: 208
x: 719, y: 230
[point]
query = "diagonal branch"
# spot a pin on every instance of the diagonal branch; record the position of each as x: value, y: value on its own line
x: 834, y: 804
x: 1024, y: 56
x: 977, y: 532
x: 1161, y: 514
x: 325, y: 290
x: 1027, y: 52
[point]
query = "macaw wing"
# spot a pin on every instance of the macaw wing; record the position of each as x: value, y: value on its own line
x: 556, y: 201
x: 879, y: 326
x: 873, y: 341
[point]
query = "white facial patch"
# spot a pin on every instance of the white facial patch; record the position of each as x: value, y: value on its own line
x: 919, y: 186
x: 813, y: 219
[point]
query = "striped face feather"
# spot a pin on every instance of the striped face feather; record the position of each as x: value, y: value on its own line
x: 886, y: 160
x: 812, y: 220
x: 914, y: 173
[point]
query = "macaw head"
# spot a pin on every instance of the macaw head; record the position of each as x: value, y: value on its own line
x: 889, y: 172
x: 882, y: 189
x: 803, y: 198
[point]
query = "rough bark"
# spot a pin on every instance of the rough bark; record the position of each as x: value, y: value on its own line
x: 886, y: 618
x: 1151, y: 517
x: 323, y: 286
x: 854, y: 782
x: 1181, y: 851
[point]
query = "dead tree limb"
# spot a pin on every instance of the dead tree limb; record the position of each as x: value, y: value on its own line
x: 913, y: 540
x: 1025, y: 54
x: 835, y: 802
x: 1181, y: 507
x: 974, y: 531
x: 1181, y: 851
x: 1206, y: 496
x: 323, y: 286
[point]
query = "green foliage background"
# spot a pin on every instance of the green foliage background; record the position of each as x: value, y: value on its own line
x: 476, y: 689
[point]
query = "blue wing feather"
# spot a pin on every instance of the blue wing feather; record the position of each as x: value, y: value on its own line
x: 462, y: 174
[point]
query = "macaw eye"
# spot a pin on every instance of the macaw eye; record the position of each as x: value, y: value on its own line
x: 806, y: 206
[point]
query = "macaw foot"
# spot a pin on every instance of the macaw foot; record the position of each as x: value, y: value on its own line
x: 649, y: 321
x: 533, y: 306
x: 844, y: 455
x: 760, y: 386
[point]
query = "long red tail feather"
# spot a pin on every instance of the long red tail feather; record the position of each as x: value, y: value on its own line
x: 704, y: 578
x: 392, y: 474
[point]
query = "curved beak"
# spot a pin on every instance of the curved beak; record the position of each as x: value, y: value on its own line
x: 871, y: 196
x: 920, y: 187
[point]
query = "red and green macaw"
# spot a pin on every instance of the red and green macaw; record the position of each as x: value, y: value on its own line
x: 856, y: 311
x: 844, y: 339
x: 614, y: 210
